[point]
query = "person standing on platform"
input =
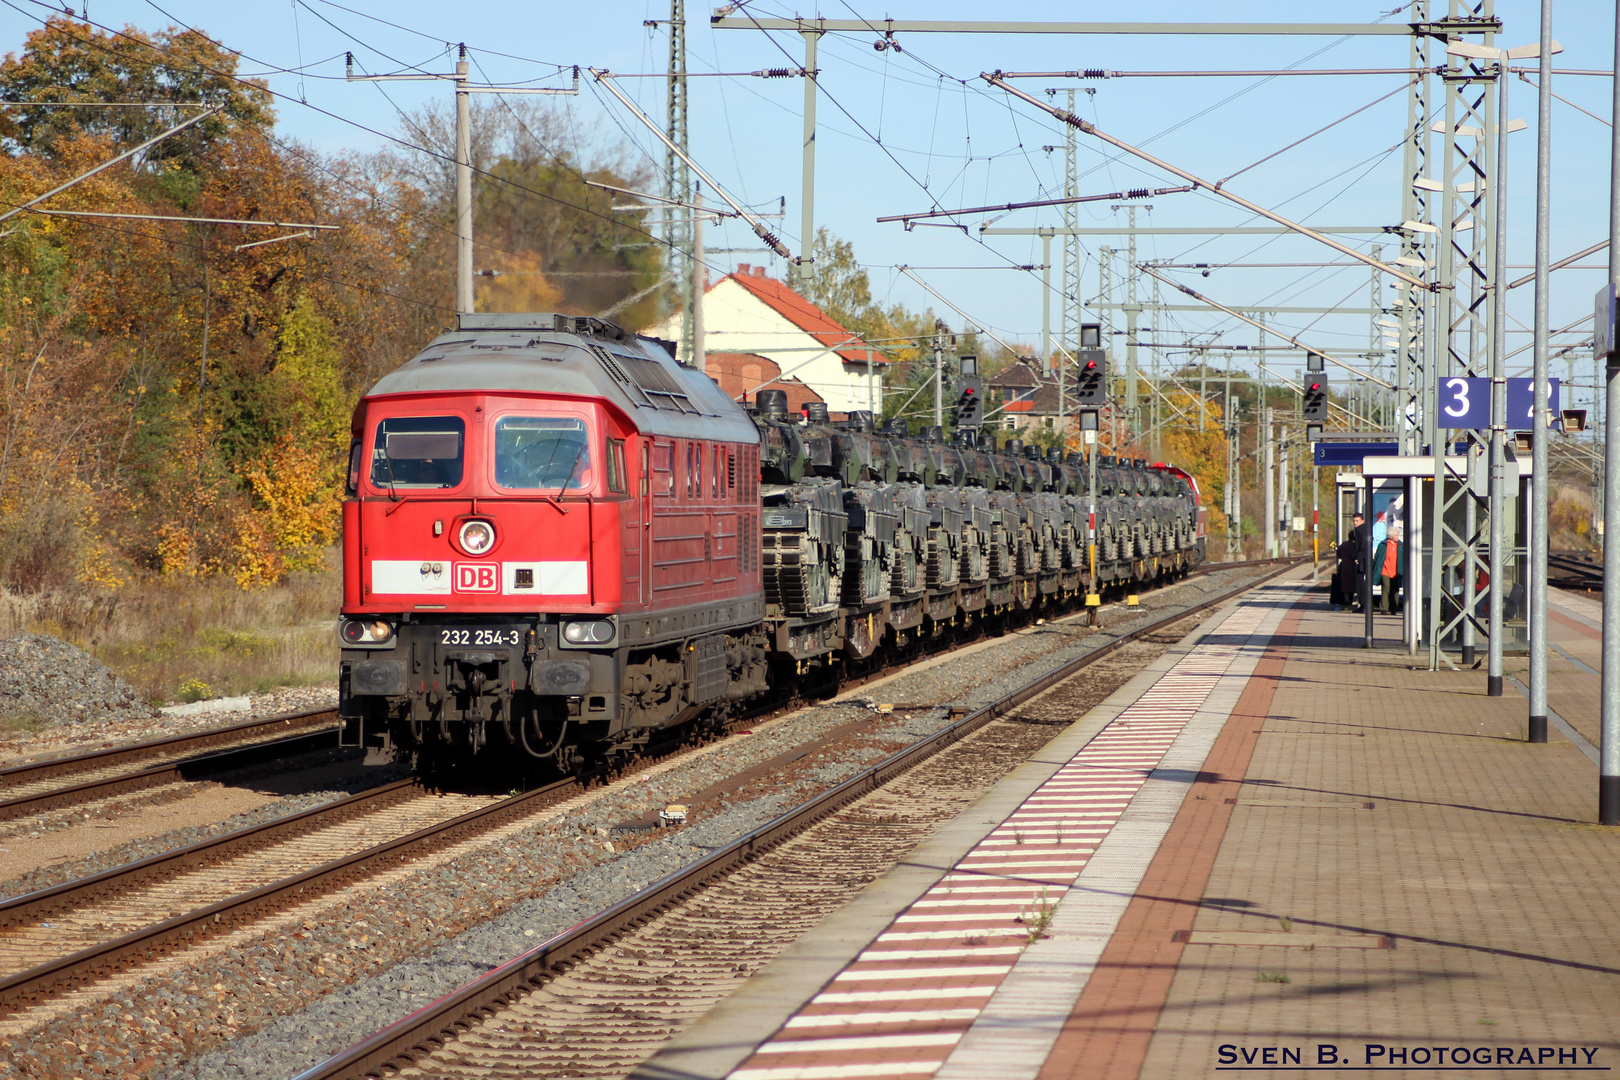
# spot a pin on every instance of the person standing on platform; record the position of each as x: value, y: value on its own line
x: 1390, y: 560
x: 1346, y: 586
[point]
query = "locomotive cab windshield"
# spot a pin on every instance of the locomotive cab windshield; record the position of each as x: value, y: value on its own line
x: 418, y: 452
x: 550, y: 453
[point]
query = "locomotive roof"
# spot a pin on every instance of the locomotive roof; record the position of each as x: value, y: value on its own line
x: 578, y: 357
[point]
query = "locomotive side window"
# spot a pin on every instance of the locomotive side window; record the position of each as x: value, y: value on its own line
x: 664, y: 465
x: 646, y: 470
x: 355, y: 454
x: 548, y: 453
x: 418, y: 452
x: 615, y: 465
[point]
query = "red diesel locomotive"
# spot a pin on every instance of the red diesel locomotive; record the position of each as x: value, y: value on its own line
x: 540, y: 510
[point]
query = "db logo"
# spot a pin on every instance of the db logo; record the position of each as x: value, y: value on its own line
x: 477, y: 577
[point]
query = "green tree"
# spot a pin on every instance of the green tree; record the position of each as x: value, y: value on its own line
x: 309, y: 376
x: 68, y: 61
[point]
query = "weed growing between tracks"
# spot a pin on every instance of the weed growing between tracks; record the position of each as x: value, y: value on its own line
x: 175, y: 639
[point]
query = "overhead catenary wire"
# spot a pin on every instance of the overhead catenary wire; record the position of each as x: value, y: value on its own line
x: 1091, y: 129
x: 394, y: 139
x: 1201, y: 298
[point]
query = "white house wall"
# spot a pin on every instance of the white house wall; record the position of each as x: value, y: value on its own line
x: 735, y: 320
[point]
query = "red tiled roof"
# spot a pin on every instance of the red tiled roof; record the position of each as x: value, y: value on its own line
x: 806, y: 316
x: 1019, y: 406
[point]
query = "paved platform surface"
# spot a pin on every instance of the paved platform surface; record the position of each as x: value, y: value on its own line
x: 1273, y: 851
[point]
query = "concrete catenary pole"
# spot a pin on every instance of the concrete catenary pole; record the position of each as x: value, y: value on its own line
x: 1609, y: 746
x: 700, y: 279
x: 1501, y: 534
x: 1537, y: 725
x: 1271, y: 483
x: 464, y: 209
x: 939, y: 372
x: 807, y: 183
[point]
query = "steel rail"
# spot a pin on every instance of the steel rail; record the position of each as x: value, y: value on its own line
x: 52, y: 977
x: 187, y: 762
x: 422, y: 1031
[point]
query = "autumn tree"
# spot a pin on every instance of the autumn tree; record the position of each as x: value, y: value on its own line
x: 535, y: 215
x: 169, y: 72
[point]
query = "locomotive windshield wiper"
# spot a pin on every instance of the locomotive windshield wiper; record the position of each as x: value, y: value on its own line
x: 388, y: 463
x: 579, y: 448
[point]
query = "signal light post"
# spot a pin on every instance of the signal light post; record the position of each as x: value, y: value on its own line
x: 1091, y: 394
x: 969, y: 411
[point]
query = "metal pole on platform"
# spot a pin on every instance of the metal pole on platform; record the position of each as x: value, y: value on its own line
x: 1609, y: 744
x: 1539, y: 489
x: 1367, y: 572
x: 1271, y: 483
x: 1499, y: 533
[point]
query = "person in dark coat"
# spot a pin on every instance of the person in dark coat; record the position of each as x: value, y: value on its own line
x: 1345, y: 588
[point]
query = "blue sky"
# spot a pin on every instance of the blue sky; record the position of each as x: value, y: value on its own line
x: 904, y: 130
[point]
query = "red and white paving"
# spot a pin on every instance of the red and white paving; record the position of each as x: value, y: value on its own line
x: 960, y: 982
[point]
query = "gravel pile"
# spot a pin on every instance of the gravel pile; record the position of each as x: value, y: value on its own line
x: 376, y: 955
x: 46, y: 679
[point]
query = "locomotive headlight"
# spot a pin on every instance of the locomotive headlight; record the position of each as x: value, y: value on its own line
x: 477, y: 537
x: 588, y: 632
x: 366, y: 633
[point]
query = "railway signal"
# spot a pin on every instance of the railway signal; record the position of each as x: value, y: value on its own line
x: 969, y: 410
x: 1092, y: 390
x: 1316, y: 400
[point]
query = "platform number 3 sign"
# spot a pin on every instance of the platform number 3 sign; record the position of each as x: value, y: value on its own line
x: 1466, y: 402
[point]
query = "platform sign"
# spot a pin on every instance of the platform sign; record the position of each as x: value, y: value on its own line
x: 1466, y: 402
x: 1351, y: 453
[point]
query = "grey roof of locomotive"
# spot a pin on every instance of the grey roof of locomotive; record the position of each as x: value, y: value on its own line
x: 530, y: 354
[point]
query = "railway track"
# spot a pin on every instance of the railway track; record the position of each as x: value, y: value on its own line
x: 1569, y: 570
x: 27, y: 790
x: 92, y: 926
x: 606, y: 992
x: 30, y: 789
x: 64, y: 937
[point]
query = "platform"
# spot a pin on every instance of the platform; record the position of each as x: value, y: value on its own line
x: 1272, y: 851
